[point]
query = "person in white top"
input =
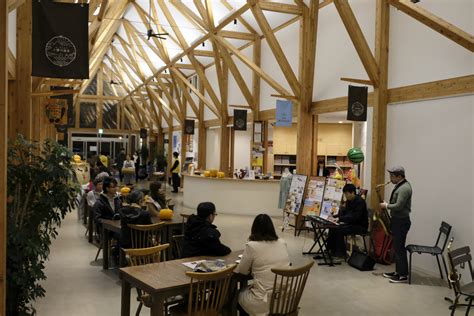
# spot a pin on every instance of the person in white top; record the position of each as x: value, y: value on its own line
x: 93, y: 195
x: 263, y: 252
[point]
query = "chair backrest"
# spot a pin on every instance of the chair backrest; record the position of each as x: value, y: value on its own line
x: 444, y: 229
x: 287, y: 289
x: 457, y: 259
x: 145, y: 236
x: 208, y: 292
x: 143, y: 256
x: 177, y: 245
x: 185, y: 219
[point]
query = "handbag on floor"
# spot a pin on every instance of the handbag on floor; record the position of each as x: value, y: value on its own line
x: 361, y: 261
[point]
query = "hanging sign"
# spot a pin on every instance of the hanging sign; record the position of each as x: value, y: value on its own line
x: 189, y: 127
x: 357, y: 103
x: 55, y: 109
x: 284, y: 113
x: 240, y: 120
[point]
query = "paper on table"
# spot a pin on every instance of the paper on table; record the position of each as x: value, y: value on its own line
x: 192, y: 264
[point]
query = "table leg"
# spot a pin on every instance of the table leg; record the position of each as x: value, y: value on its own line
x: 105, y: 248
x: 125, y: 298
x: 157, y: 306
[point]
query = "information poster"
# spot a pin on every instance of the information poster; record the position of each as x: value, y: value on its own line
x: 314, y: 196
x: 295, y: 197
x: 332, y: 197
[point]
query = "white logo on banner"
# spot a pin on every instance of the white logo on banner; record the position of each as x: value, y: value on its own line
x: 357, y: 109
x: 60, y: 51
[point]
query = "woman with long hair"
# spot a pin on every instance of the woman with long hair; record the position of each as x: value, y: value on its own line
x: 263, y: 251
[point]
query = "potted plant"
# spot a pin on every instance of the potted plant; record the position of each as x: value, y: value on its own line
x: 42, y: 188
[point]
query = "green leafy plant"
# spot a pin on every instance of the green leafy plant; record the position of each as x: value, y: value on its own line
x: 42, y: 188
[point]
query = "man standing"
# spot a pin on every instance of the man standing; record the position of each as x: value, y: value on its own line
x: 400, y: 208
x: 175, y: 172
x: 120, y: 160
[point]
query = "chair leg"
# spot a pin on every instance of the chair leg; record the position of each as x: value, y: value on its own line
x: 446, y: 271
x: 409, y: 269
x: 139, y: 309
x: 469, y: 306
x: 439, y: 267
x: 455, y: 303
x: 97, y: 255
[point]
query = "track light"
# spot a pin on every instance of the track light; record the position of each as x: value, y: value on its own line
x: 203, y: 44
x: 235, y: 21
x: 415, y: 1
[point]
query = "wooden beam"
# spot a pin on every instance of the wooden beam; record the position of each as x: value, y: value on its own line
x: 203, y: 53
x: 325, y: 3
x: 283, y: 96
x: 436, y: 23
x: 103, y: 7
x: 61, y: 82
x: 13, y: 4
x: 358, y: 39
x: 379, y: 129
x: 3, y: 150
x: 281, y: 7
x: 184, y: 66
x: 202, y: 141
x: 11, y: 65
x: 53, y: 93
x: 237, y: 35
x: 276, y: 49
x: 361, y: 81
x: 256, y: 56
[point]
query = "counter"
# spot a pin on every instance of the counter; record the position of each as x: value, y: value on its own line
x: 233, y: 196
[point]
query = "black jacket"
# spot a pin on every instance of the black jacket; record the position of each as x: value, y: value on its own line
x: 131, y: 215
x: 102, y: 208
x: 355, y: 213
x: 201, y: 238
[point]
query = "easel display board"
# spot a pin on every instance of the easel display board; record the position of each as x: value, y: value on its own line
x: 295, y: 198
x: 314, y: 195
x: 332, y: 197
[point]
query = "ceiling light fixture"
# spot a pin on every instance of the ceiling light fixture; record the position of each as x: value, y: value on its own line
x: 235, y: 21
x: 203, y: 44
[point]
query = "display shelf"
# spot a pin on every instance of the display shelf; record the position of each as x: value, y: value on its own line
x: 285, y: 164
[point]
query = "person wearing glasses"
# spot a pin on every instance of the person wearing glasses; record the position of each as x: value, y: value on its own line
x: 201, y: 237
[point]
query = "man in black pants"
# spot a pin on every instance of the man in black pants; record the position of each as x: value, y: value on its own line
x: 353, y: 218
x: 175, y: 173
x: 400, y: 208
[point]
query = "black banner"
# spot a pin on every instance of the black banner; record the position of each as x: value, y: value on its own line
x: 357, y: 103
x: 240, y: 120
x: 189, y: 127
x: 70, y: 104
x: 60, y: 40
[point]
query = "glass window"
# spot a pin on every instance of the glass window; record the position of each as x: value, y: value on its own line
x: 109, y: 117
x: 92, y: 87
x: 88, y: 115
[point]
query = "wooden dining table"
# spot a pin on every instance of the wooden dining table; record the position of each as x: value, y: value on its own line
x: 161, y: 280
x: 108, y: 225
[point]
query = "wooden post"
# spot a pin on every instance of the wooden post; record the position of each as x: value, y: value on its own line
x: 202, y: 132
x: 225, y: 135
x: 3, y: 148
x: 379, y: 131
x: 23, y: 123
x: 306, y: 124
x: 100, y: 97
x: 265, y: 147
x: 314, y: 137
x: 257, y: 53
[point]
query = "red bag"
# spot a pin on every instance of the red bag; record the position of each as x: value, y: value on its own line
x: 382, y: 248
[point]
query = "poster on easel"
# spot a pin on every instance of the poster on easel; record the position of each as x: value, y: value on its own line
x: 314, y: 196
x: 332, y: 197
x: 294, y: 199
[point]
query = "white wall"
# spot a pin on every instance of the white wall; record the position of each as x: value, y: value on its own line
x: 12, y: 31
x: 433, y: 140
x: 242, y: 141
x: 213, y: 142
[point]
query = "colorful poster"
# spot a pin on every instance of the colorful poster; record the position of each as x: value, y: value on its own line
x: 284, y: 113
x: 295, y: 195
x: 314, y: 196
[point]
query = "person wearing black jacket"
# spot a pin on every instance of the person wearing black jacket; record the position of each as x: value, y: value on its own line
x: 175, y: 173
x: 132, y: 214
x: 108, y: 204
x: 201, y: 237
x: 353, y: 219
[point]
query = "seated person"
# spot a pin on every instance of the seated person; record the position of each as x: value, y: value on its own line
x: 263, y: 251
x: 132, y: 214
x: 353, y: 218
x: 201, y: 238
x: 108, y: 204
x: 157, y: 199
x: 93, y: 195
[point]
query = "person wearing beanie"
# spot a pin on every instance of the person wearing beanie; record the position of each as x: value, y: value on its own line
x: 201, y: 237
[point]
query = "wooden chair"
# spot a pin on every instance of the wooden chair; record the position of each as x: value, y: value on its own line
x: 287, y: 290
x: 145, y: 236
x: 184, y: 217
x: 208, y: 292
x: 138, y: 257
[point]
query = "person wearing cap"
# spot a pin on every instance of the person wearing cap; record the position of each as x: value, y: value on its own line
x: 400, y: 208
x: 201, y: 237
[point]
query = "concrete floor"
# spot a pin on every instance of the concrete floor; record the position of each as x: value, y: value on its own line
x: 77, y: 286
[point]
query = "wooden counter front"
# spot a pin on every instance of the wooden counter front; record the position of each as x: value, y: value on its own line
x: 233, y: 196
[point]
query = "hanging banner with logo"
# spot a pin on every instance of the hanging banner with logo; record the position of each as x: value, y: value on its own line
x: 70, y: 121
x: 189, y: 127
x: 357, y: 103
x: 240, y: 120
x: 60, y: 40
x: 284, y: 113
x: 55, y: 109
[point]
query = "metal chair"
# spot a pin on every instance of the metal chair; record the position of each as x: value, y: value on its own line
x: 458, y: 259
x: 145, y: 236
x: 138, y: 257
x: 436, y: 250
x: 287, y: 290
